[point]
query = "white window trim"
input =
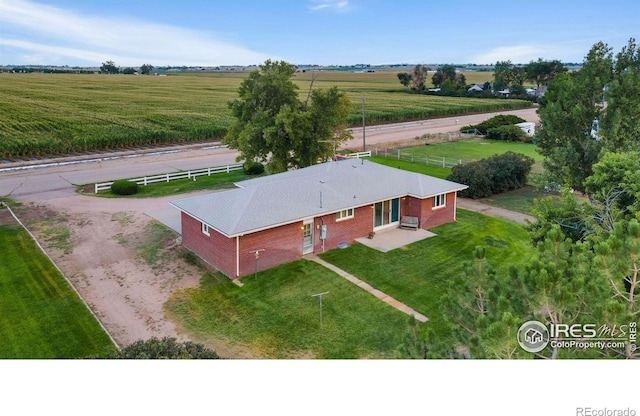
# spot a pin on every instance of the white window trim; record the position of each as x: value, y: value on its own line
x: 205, y: 229
x: 346, y: 216
x: 444, y: 203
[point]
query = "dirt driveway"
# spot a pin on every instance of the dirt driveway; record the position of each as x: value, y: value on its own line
x: 121, y: 261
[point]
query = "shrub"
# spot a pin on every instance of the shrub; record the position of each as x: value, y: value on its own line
x: 165, y: 348
x: 253, y: 168
x: 493, y: 175
x: 124, y: 187
x: 511, y: 133
x: 497, y: 121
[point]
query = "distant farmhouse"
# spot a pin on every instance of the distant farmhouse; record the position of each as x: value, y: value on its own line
x: 282, y: 217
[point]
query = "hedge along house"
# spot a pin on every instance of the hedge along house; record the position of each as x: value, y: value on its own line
x: 282, y: 217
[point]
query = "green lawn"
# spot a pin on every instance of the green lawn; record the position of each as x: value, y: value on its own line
x: 417, y: 274
x: 435, y: 171
x: 519, y: 200
x: 40, y: 314
x: 469, y: 150
x: 276, y: 317
x: 180, y: 186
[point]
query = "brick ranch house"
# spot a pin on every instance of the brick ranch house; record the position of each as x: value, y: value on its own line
x: 291, y: 214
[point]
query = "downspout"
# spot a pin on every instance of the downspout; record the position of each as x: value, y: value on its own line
x: 322, y: 220
x: 455, y: 204
x: 237, y: 256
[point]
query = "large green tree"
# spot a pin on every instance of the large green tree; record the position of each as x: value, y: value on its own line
x: 274, y: 126
x: 567, y: 113
x: 542, y: 72
x: 621, y: 124
x: 616, y: 180
x: 109, y: 67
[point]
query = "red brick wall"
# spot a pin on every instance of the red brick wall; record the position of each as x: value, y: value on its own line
x: 344, y: 230
x: 216, y: 249
x: 429, y: 217
x: 282, y: 244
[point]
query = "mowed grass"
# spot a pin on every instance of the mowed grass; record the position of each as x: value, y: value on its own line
x: 520, y: 200
x: 40, y: 314
x: 46, y: 114
x: 418, y: 274
x: 467, y: 150
x: 435, y: 171
x: 179, y: 186
x: 275, y: 316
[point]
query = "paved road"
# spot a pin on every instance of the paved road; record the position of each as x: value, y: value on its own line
x: 48, y: 183
x: 403, y: 131
x: 42, y: 184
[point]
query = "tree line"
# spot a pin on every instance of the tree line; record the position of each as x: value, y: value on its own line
x: 507, y: 77
x: 109, y: 67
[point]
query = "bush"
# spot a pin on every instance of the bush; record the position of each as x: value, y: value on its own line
x: 253, y: 168
x: 511, y: 133
x: 493, y: 175
x: 497, y: 121
x: 124, y: 187
x: 165, y: 348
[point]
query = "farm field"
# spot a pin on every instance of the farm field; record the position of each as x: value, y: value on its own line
x: 45, y: 114
x: 40, y: 314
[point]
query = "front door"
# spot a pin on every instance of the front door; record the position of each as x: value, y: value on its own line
x: 307, y: 237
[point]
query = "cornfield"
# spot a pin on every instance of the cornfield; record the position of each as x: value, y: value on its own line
x: 48, y: 114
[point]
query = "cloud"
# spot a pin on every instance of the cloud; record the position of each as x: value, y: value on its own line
x: 339, y: 6
x: 61, y: 35
x: 516, y: 54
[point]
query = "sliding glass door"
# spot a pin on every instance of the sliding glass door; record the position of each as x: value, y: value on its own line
x: 386, y: 212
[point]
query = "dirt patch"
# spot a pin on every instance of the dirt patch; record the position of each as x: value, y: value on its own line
x: 6, y: 218
x: 125, y: 264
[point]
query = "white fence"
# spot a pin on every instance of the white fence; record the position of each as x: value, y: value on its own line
x: 443, y: 162
x: 166, y: 177
x: 358, y: 155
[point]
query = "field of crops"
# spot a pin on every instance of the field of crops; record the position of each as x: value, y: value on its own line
x: 44, y: 114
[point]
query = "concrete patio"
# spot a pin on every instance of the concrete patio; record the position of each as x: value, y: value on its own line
x: 392, y: 238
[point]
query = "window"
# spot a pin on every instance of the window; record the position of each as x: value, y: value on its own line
x: 439, y: 201
x: 344, y: 214
x: 205, y: 229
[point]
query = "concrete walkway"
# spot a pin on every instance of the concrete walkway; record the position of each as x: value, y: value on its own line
x: 491, y: 211
x: 375, y: 292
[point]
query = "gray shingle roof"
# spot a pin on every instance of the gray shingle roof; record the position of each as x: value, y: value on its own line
x: 287, y: 197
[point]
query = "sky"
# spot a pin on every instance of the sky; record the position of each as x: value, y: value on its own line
x: 322, y: 32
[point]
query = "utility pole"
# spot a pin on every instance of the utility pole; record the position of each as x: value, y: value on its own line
x: 364, y: 143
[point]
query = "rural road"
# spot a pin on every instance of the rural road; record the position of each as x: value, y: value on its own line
x: 402, y: 131
x: 43, y: 184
